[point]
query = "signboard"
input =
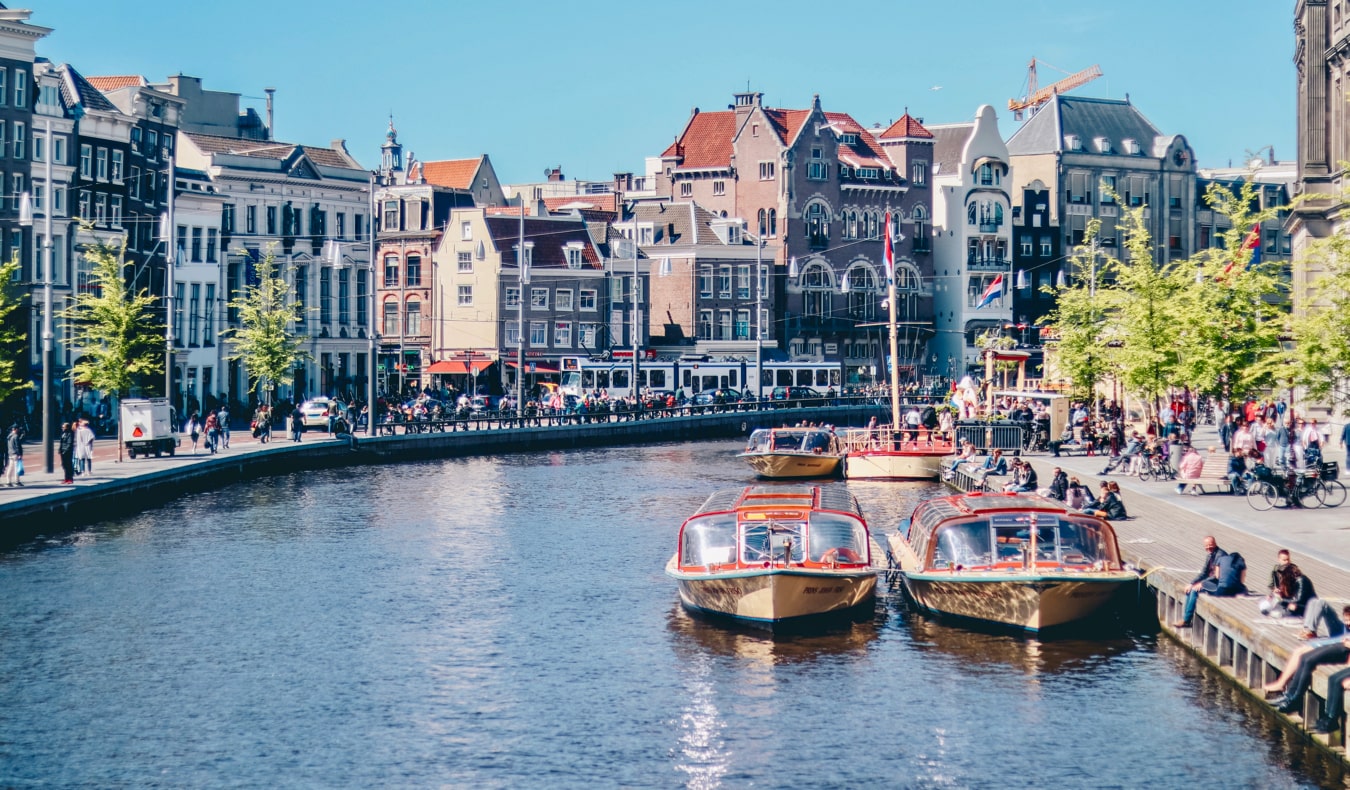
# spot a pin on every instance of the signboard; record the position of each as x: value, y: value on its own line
x: 532, y: 367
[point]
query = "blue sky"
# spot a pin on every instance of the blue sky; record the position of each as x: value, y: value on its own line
x: 597, y: 86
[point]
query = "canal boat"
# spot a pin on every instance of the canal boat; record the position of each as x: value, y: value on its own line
x: 775, y: 556
x: 1016, y: 560
x: 787, y: 453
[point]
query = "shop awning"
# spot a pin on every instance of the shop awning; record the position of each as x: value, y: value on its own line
x: 539, y: 367
x: 461, y: 367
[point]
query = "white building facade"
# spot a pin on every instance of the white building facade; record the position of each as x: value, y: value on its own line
x: 972, y: 219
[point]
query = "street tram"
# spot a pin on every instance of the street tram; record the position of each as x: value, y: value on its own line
x: 693, y: 374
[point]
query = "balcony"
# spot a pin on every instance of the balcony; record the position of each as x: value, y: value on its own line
x: 818, y: 241
x: 990, y: 227
x: 988, y: 264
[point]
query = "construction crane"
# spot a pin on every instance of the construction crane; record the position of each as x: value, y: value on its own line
x: 1038, y: 96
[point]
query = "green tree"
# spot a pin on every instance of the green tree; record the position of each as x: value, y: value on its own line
x: 112, y: 327
x: 1231, y: 310
x: 1077, y: 320
x: 1141, y: 313
x: 264, y: 341
x: 11, y: 334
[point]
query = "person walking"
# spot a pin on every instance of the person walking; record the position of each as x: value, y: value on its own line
x: 84, y: 449
x: 212, y: 431
x: 297, y: 425
x: 65, y: 448
x: 194, y: 430
x: 14, y: 452
x: 223, y: 418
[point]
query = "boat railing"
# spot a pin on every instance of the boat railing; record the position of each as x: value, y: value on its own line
x: 886, y: 439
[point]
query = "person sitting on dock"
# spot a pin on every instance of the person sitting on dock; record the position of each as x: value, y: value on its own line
x: 1207, y: 571
x: 1059, y: 486
x: 1109, y: 504
x: 1298, y: 670
x: 1290, y: 590
x: 1078, y: 496
x: 1024, y: 478
x: 966, y: 456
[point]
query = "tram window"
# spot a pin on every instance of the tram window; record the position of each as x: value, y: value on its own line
x: 707, y: 383
x: 686, y: 379
x: 618, y: 379
x: 834, y: 378
x: 722, y: 382
x: 783, y: 378
x: 601, y: 379
x: 658, y: 380
x: 588, y: 379
x: 804, y: 378
x: 732, y: 378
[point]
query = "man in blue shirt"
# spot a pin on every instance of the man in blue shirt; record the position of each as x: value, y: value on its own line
x: 1212, y: 579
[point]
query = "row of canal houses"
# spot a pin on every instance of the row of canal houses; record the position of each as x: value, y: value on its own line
x: 754, y: 220
x: 754, y: 223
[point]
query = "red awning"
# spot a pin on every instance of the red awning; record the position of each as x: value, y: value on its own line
x: 539, y: 367
x: 459, y: 367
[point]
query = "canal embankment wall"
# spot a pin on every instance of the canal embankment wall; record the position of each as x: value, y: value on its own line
x: 143, y: 483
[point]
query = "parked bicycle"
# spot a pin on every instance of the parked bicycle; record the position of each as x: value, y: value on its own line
x: 1313, y: 488
x: 1157, y: 467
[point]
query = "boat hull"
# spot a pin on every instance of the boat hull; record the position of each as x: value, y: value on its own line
x: 788, y: 466
x: 892, y: 465
x: 774, y: 596
x: 1031, y: 602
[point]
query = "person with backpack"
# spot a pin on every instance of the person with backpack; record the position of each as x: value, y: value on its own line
x: 1222, y: 575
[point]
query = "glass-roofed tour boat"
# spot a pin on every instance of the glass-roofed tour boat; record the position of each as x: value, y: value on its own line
x: 1016, y: 560
x: 785, y: 453
x: 774, y: 556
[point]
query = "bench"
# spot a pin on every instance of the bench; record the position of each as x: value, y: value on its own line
x: 1213, y: 473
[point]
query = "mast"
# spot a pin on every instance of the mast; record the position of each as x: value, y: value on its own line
x: 888, y: 253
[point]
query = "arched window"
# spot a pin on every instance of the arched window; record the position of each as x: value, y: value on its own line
x: 998, y: 214
x: 970, y: 214
x: 773, y: 222
x: 818, y: 226
x: 920, y: 229
x: 862, y: 293
x: 391, y: 318
x: 873, y: 223
x: 412, y: 324
x: 391, y: 271
x: 907, y: 287
x: 817, y: 289
x: 763, y: 226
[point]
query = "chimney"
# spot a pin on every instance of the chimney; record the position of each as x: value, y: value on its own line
x: 555, y: 174
x: 623, y: 182
x: 270, y: 92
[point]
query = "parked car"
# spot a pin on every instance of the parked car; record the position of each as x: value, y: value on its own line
x: 794, y: 394
x: 717, y: 397
x: 480, y: 406
x: 314, y: 412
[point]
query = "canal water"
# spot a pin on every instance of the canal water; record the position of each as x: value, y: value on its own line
x: 505, y: 622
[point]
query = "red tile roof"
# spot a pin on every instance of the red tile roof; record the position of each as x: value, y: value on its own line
x: 866, y: 152
x: 907, y: 126
x: 706, y: 141
x: 114, y: 83
x: 569, y: 202
x: 503, y: 211
x: 454, y: 173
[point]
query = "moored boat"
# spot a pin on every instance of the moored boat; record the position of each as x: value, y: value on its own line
x: 886, y: 454
x: 775, y: 556
x: 786, y: 453
x: 1017, y: 560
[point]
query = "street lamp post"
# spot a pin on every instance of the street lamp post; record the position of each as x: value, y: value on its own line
x: 48, y: 336
x: 637, y: 331
x: 372, y: 363
x: 759, y: 314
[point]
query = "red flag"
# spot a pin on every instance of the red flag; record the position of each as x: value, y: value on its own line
x: 1252, y: 243
x: 888, y: 255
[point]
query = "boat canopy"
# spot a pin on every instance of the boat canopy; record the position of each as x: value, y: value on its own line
x: 769, y: 527
x: 803, y: 440
x: 1016, y: 539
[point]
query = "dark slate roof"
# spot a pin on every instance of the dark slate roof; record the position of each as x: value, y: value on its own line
x: 75, y: 89
x: 550, y: 237
x: 949, y: 141
x: 1114, y: 119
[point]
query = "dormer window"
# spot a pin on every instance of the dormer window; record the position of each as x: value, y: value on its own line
x: 1102, y: 144
x: 849, y: 138
x: 1131, y: 146
x: 1073, y: 142
x: 574, y: 249
x: 868, y: 172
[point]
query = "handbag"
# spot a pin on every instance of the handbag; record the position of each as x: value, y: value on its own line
x: 19, y: 465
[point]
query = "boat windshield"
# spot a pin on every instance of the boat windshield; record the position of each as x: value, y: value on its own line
x: 759, y: 441
x: 775, y: 541
x: 1007, y: 539
x: 834, y: 538
x: 710, y: 540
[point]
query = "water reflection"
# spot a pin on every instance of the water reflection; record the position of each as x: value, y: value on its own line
x: 697, y: 634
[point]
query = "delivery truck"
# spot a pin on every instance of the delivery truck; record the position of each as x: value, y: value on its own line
x: 147, y: 427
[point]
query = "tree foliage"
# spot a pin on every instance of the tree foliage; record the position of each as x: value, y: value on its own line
x: 264, y: 341
x: 112, y: 327
x: 1077, y: 318
x: 1141, y: 305
x: 11, y: 332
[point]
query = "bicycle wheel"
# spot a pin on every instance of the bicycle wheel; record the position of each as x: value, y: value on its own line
x: 1262, y: 496
x: 1146, y: 471
x: 1334, y: 492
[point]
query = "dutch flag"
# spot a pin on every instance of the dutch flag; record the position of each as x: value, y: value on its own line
x: 994, y: 291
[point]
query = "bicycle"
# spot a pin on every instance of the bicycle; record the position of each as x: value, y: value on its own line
x: 1157, y: 467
